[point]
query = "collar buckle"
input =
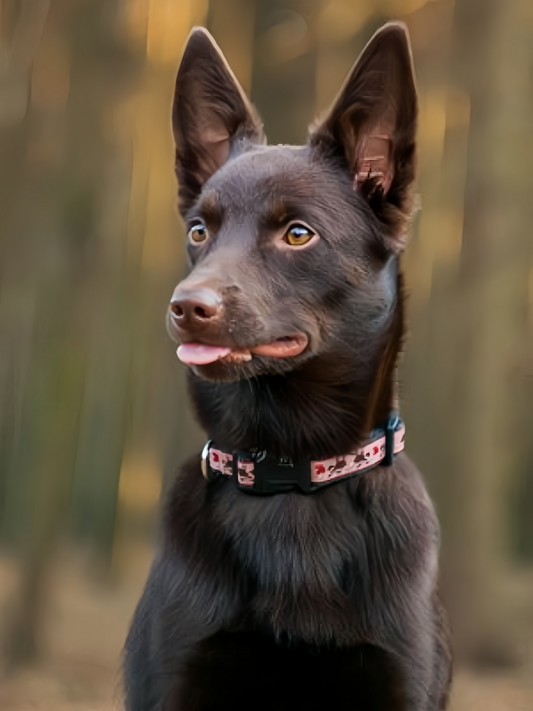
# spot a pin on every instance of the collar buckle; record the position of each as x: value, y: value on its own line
x: 269, y: 474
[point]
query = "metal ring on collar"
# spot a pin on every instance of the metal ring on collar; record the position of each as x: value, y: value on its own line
x: 203, y: 460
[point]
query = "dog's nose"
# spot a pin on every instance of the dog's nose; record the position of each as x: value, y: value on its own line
x: 195, y: 307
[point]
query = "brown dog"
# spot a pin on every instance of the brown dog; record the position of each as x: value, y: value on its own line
x: 321, y: 590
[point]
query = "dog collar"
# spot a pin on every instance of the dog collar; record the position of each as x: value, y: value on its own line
x: 260, y: 473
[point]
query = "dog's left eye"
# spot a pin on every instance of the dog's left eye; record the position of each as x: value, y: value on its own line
x: 298, y: 235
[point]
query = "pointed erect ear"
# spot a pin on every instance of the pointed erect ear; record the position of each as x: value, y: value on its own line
x: 211, y: 117
x: 372, y: 125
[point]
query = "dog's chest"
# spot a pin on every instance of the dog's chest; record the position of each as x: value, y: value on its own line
x: 288, y: 539
x: 299, y: 556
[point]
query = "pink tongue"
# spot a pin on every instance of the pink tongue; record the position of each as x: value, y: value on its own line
x: 200, y: 354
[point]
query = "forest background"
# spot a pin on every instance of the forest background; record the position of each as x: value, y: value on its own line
x: 94, y: 417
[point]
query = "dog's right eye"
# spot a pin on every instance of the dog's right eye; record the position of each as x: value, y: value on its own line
x: 198, y: 233
x: 299, y: 235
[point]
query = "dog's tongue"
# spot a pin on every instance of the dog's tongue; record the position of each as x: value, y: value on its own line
x: 200, y: 354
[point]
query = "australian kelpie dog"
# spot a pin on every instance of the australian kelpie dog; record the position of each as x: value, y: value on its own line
x: 297, y: 567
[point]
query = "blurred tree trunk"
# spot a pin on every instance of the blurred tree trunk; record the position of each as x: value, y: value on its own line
x: 232, y: 24
x: 482, y: 323
x: 284, y: 73
x: 53, y: 261
x: 45, y: 461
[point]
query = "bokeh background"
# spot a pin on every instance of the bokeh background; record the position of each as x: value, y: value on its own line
x: 94, y: 418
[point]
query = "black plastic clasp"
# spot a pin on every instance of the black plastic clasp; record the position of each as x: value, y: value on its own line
x: 390, y: 428
x: 273, y: 475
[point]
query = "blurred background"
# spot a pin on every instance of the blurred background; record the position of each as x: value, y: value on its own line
x: 94, y: 418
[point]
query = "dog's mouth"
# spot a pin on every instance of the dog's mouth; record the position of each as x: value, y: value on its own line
x: 202, y: 353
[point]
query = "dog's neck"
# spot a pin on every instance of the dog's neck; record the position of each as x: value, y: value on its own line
x: 316, y: 411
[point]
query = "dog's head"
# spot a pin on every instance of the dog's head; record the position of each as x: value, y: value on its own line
x: 293, y: 250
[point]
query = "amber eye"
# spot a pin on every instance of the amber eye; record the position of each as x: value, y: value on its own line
x: 198, y: 233
x: 298, y: 235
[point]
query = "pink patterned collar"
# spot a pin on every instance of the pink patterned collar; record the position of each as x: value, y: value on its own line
x: 259, y: 473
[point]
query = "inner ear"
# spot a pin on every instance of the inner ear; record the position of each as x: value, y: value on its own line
x: 373, y: 157
x: 214, y: 137
x: 211, y: 117
x: 372, y: 125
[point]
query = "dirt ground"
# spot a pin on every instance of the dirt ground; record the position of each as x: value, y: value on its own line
x: 85, y: 625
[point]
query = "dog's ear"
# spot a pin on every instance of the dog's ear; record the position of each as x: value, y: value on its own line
x: 372, y: 124
x: 211, y: 117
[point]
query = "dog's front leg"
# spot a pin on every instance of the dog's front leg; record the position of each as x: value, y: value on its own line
x: 177, y: 611
x: 421, y: 655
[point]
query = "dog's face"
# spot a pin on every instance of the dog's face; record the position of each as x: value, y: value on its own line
x: 293, y: 250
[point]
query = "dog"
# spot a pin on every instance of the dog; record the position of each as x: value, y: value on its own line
x: 298, y: 561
